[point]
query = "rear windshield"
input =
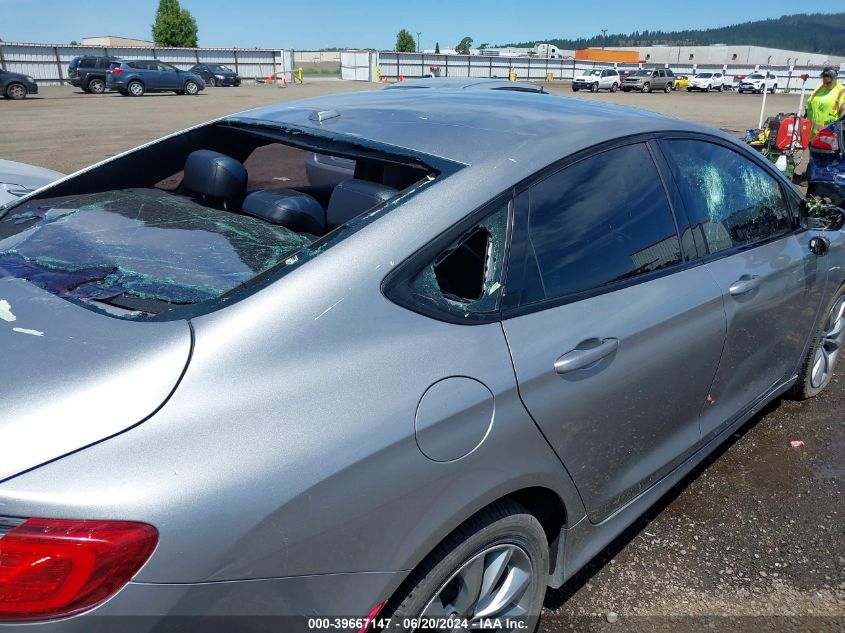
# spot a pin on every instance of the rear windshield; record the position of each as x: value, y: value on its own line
x: 139, y: 236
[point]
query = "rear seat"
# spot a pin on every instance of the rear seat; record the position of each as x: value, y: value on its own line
x: 292, y: 209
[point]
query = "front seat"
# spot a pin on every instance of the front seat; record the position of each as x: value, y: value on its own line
x: 351, y: 198
x: 215, y: 179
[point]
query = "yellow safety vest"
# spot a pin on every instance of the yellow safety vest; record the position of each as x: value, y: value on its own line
x: 824, y: 105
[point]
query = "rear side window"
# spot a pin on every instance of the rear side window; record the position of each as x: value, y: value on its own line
x: 731, y: 201
x: 603, y: 220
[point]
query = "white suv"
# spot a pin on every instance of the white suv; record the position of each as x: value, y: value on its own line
x: 707, y: 81
x: 596, y: 79
x: 754, y: 83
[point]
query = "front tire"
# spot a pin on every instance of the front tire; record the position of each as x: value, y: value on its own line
x: 501, y: 552
x: 97, y: 86
x: 819, y: 364
x: 135, y: 89
x: 594, y: 87
x: 646, y: 87
x: 16, y: 92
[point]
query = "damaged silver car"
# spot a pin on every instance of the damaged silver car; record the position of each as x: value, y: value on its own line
x: 412, y: 396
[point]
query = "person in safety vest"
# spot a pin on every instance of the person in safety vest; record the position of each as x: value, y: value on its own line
x: 827, y: 103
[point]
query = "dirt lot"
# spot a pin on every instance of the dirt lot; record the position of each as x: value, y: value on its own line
x: 754, y: 540
x: 65, y: 129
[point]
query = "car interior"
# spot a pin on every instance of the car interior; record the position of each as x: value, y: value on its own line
x: 230, y: 201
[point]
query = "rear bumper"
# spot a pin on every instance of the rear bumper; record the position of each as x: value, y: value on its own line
x: 278, y: 604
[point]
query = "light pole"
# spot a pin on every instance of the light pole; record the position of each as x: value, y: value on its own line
x: 418, y: 41
x: 603, y: 38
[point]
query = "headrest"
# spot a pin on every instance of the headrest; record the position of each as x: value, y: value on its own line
x: 352, y: 197
x: 215, y: 175
x: 290, y: 208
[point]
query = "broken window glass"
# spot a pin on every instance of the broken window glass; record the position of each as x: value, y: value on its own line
x: 142, y: 243
x: 731, y: 200
x: 467, y: 276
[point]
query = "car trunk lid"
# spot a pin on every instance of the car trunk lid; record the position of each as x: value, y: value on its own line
x: 74, y: 376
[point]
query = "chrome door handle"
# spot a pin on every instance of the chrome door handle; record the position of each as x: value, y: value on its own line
x: 745, y: 284
x: 581, y: 358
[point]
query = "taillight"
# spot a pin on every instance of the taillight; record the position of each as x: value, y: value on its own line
x: 77, y: 73
x: 116, y: 71
x: 825, y: 141
x: 52, y: 568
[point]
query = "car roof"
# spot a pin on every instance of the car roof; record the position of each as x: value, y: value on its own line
x: 465, y: 83
x: 472, y: 127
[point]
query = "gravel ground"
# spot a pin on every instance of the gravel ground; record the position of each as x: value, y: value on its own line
x: 753, y: 540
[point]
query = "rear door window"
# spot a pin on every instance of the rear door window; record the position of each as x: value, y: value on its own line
x: 731, y: 201
x: 603, y: 220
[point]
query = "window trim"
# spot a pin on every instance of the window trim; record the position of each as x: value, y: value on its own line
x: 396, y: 286
x: 515, y: 266
x: 757, y: 159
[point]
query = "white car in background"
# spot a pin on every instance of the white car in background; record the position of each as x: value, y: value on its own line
x: 596, y: 79
x: 19, y: 179
x: 755, y: 81
x: 707, y: 81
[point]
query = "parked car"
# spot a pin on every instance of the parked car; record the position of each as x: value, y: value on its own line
x: 826, y: 168
x: 596, y: 79
x: 89, y: 72
x: 433, y: 389
x: 755, y: 81
x: 20, y: 179
x: 135, y: 77
x: 706, y: 82
x: 648, y: 80
x: 216, y: 74
x: 681, y: 82
x: 16, y: 85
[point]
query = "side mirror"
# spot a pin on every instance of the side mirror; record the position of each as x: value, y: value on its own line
x: 820, y: 214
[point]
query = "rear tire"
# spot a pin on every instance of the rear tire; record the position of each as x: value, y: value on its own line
x: 502, y: 546
x: 820, y: 363
x: 191, y: 88
x: 211, y: 82
x: 16, y: 92
x: 97, y: 86
x: 135, y: 89
x: 614, y: 87
x: 667, y: 89
x: 774, y: 89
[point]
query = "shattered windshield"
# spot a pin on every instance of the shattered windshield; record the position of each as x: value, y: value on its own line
x: 138, y: 243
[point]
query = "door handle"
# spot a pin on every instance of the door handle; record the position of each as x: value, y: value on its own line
x: 581, y: 358
x: 745, y: 284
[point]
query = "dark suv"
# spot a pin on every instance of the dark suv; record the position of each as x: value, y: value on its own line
x: 89, y: 72
x: 137, y: 76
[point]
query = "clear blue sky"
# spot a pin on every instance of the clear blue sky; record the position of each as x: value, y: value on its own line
x: 337, y: 23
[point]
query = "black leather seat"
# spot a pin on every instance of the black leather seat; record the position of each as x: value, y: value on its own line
x: 352, y: 197
x: 214, y: 179
x: 292, y: 209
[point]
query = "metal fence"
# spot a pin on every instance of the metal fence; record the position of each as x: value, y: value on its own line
x: 48, y: 63
x: 393, y: 66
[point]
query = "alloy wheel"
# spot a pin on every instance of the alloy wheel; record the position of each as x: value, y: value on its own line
x: 830, y: 344
x: 136, y: 89
x: 191, y: 88
x: 495, y: 583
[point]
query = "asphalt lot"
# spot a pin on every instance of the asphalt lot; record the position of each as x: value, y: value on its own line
x: 754, y: 540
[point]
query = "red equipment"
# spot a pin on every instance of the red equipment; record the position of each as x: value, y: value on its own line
x: 787, y: 133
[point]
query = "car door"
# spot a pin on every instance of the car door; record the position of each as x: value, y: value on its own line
x: 770, y: 282
x: 168, y: 77
x: 615, y: 334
